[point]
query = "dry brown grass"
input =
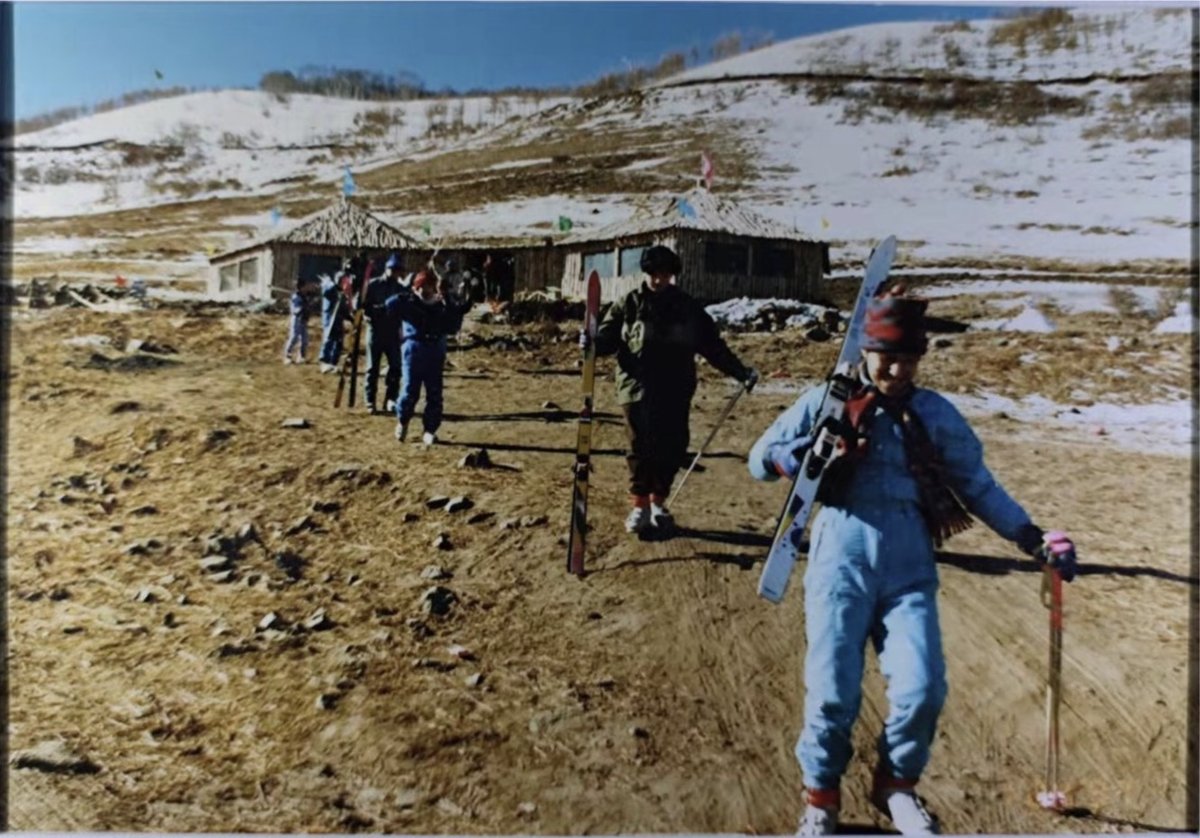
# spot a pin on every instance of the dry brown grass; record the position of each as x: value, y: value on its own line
x: 1052, y: 29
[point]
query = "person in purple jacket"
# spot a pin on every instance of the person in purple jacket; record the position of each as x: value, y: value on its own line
x: 912, y: 476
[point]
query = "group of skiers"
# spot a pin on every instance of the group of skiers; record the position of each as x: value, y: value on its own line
x: 911, y: 474
x: 408, y: 319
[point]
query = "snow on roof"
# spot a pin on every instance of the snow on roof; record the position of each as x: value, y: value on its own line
x: 342, y: 225
x: 697, y: 209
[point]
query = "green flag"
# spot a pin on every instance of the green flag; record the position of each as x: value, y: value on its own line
x: 564, y: 223
x: 426, y: 227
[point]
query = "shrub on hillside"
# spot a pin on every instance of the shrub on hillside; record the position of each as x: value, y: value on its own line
x: 1052, y: 28
x: 133, y: 154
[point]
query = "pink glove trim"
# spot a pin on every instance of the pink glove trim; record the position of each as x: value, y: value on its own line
x: 1057, y: 542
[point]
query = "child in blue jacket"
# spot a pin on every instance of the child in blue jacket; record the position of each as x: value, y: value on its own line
x: 301, y: 310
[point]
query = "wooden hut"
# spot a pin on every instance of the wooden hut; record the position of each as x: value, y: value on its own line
x: 314, y: 245
x: 726, y: 252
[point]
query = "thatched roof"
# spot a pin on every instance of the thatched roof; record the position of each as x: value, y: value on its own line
x: 698, y: 209
x: 342, y: 225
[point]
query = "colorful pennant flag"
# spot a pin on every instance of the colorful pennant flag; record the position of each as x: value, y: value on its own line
x: 275, y: 215
x: 685, y: 209
x: 707, y: 170
x: 824, y: 223
x: 426, y: 227
x: 564, y: 223
x: 348, y: 186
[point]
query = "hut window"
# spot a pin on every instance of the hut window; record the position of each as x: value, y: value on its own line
x: 604, y: 263
x: 721, y: 258
x: 631, y: 260
x: 248, y: 273
x: 774, y: 262
x: 228, y: 276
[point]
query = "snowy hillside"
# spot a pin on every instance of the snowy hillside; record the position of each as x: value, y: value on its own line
x: 231, y: 142
x: 1125, y: 41
x: 992, y: 171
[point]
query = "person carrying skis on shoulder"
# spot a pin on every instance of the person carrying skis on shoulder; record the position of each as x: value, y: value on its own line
x: 656, y: 331
x: 383, y: 337
x: 335, y: 311
x: 911, y: 474
x: 426, y: 319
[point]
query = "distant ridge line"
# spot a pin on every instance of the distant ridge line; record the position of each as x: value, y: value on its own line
x: 1122, y: 78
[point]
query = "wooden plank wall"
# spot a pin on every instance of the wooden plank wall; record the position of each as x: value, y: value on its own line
x: 611, y: 288
x: 710, y: 287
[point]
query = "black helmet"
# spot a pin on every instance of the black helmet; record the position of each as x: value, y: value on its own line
x: 660, y: 259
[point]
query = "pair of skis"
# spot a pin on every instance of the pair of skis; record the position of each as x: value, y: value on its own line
x: 785, y: 547
x: 350, y: 362
x: 583, y: 442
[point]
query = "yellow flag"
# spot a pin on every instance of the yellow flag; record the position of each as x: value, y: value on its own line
x: 824, y: 223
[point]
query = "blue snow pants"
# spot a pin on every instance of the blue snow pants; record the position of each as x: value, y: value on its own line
x: 871, y: 575
x: 297, y: 338
x: 382, y: 344
x: 422, y: 363
x: 332, y: 332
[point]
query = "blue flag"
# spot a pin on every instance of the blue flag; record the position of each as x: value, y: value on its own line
x: 276, y: 215
x: 348, y: 183
x: 685, y: 209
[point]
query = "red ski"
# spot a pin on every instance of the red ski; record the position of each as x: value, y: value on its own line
x: 583, y: 444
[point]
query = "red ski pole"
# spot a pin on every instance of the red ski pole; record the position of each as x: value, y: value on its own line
x: 1052, y: 597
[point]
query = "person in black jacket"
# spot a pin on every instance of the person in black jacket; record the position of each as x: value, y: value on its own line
x: 656, y: 331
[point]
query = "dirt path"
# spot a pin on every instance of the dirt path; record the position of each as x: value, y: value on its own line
x: 659, y: 694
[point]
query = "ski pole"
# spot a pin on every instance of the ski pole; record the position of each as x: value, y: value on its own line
x: 1052, y: 797
x: 700, y: 452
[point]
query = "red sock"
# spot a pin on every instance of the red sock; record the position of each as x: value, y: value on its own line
x: 640, y: 501
x: 825, y: 798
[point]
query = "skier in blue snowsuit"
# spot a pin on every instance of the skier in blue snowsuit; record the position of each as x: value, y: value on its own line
x: 426, y: 319
x: 912, y: 472
x: 383, y: 337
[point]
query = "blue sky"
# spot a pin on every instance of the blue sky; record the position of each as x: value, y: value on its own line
x: 81, y: 53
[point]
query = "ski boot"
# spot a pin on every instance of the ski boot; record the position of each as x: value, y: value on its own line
x: 899, y: 801
x: 638, y: 520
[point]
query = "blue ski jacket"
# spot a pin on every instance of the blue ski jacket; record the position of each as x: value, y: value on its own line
x: 882, y: 476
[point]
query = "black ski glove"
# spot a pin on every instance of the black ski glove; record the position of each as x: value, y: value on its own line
x: 749, y: 378
x: 1054, y: 548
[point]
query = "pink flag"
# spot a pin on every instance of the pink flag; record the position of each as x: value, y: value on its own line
x: 706, y: 169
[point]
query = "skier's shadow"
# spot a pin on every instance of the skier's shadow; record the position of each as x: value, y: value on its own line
x: 1083, y: 812
x: 744, y: 560
x: 1003, y: 565
x: 528, y: 416
x: 551, y: 371
x: 513, y: 446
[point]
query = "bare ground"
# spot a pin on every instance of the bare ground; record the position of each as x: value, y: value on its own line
x: 658, y: 694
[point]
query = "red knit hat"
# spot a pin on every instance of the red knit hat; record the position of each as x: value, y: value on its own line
x: 896, y: 324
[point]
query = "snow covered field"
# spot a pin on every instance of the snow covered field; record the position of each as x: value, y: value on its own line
x: 1101, y: 180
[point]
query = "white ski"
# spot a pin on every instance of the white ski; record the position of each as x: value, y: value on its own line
x: 785, y: 547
